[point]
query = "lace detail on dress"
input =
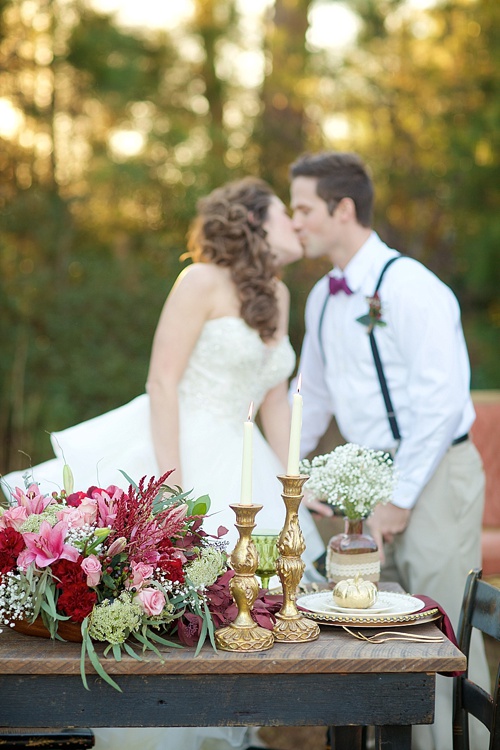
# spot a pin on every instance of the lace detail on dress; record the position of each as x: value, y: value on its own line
x: 231, y: 366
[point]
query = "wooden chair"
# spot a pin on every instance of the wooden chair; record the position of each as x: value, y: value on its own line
x: 481, y: 610
x: 48, y: 739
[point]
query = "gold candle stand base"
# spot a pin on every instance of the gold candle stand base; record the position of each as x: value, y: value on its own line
x: 291, y: 626
x: 244, y: 634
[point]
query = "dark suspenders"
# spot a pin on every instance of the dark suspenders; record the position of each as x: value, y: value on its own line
x: 391, y: 416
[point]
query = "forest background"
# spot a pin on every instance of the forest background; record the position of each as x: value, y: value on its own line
x: 110, y: 131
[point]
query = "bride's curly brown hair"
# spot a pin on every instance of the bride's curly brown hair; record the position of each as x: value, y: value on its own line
x: 228, y: 231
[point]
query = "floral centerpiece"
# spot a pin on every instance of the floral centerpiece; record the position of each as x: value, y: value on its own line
x: 354, y: 479
x: 128, y: 568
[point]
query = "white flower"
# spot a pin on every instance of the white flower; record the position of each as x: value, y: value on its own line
x: 352, y: 478
x: 205, y: 570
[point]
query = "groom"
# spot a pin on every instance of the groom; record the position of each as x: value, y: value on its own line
x: 384, y: 352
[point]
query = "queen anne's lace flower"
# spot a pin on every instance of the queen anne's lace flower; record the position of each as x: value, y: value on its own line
x: 205, y: 570
x: 113, y: 621
x: 352, y: 478
x: 33, y: 522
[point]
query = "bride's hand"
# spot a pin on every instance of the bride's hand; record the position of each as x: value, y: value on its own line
x: 317, y: 506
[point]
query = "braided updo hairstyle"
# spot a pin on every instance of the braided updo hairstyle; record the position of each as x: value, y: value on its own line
x: 228, y: 231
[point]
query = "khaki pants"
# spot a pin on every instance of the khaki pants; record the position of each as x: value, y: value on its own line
x: 433, y: 556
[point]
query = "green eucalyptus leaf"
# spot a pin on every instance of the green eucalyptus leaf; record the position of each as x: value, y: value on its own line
x: 202, y: 638
x: 210, y: 625
x: 85, y: 638
x: 94, y: 659
x: 147, y: 644
x: 129, y: 479
x: 130, y: 651
x: 155, y: 637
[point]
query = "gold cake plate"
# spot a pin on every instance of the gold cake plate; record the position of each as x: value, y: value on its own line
x: 406, y: 610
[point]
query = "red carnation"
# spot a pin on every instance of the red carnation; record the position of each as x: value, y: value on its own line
x: 7, y: 562
x: 11, y: 545
x: 165, y: 544
x: 172, y: 568
x: 68, y: 573
x: 77, y: 601
x: 75, y: 499
x: 11, y: 541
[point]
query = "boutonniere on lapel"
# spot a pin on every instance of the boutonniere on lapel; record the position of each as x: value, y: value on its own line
x: 374, y: 315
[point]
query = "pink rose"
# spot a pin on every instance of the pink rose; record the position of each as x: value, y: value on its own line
x: 140, y: 572
x: 14, y: 518
x: 78, y: 516
x: 88, y: 509
x: 72, y: 516
x: 152, y: 601
x: 92, y: 568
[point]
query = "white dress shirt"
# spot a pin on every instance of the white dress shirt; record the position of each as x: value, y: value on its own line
x: 423, y: 354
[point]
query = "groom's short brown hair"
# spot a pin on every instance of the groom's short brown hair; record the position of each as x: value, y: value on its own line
x: 339, y: 175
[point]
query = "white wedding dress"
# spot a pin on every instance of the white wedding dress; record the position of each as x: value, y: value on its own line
x: 229, y: 367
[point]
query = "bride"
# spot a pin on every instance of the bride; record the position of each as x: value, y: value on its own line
x: 221, y: 343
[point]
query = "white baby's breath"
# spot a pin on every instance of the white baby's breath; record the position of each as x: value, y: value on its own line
x: 352, y: 478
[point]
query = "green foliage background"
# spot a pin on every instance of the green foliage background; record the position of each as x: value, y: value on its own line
x: 90, y: 238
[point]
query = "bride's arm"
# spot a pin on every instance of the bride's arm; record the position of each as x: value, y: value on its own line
x: 181, y: 321
x: 275, y: 409
x: 275, y: 417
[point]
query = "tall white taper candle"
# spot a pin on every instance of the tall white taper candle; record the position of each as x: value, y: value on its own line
x: 246, y: 468
x: 295, y: 432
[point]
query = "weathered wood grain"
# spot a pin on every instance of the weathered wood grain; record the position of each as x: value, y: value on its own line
x: 335, y: 681
x: 214, y: 700
x: 335, y: 652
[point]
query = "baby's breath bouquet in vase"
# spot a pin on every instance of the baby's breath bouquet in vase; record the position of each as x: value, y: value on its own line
x: 353, y: 479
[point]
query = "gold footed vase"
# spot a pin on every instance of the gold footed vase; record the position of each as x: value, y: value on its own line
x: 244, y: 634
x: 291, y: 626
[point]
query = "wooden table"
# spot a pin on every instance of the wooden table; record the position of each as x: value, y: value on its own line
x: 335, y: 680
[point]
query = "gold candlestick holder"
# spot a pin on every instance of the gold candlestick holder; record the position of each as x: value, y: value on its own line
x: 291, y: 626
x: 244, y: 634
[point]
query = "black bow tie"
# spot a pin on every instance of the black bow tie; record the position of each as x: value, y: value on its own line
x: 339, y: 285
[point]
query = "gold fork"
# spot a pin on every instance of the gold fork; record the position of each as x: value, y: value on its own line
x: 395, y: 635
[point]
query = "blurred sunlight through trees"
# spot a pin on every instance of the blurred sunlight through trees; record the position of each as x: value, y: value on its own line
x: 117, y: 115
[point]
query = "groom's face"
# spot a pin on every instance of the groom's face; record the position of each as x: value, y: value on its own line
x: 316, y: 228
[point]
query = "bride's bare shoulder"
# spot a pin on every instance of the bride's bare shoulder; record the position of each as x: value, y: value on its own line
x: 202, y: 277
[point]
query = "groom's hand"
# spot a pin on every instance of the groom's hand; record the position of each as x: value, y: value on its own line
x: 317, y: 506
x: 385, y: 522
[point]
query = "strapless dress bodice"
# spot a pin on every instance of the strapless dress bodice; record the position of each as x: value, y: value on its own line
x: 230, y: 366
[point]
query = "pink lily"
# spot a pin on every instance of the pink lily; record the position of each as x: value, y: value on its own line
x: 31, y: 499
x: 106, y: 502
x: 117, y: 546
x: 48, y: 546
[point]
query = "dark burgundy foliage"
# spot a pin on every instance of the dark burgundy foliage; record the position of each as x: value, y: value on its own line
x: 224, y: 610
